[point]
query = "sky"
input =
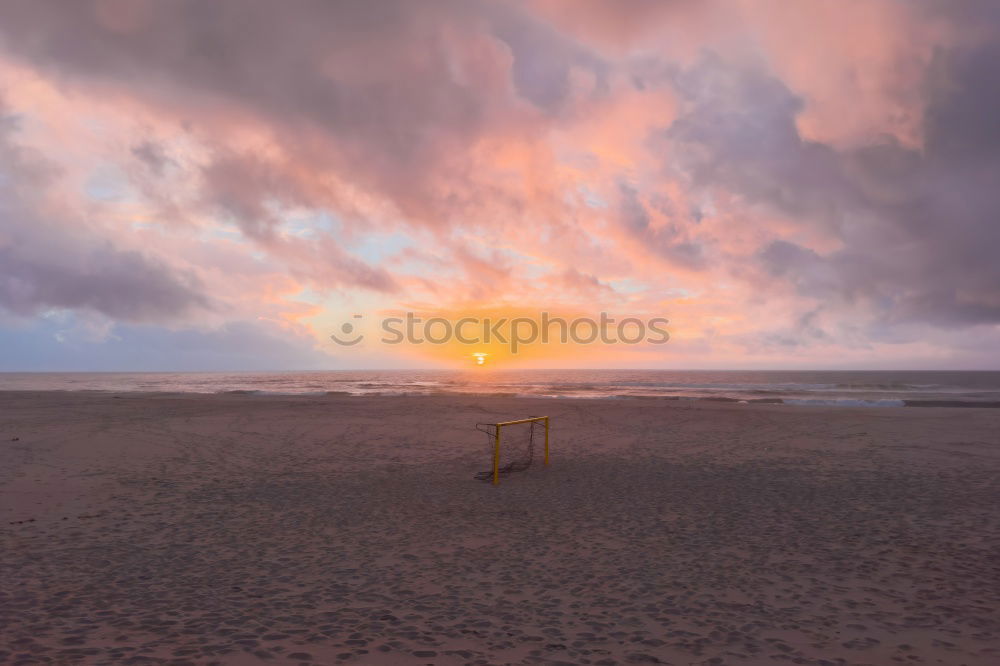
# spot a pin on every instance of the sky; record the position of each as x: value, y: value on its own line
x: 222, y: 185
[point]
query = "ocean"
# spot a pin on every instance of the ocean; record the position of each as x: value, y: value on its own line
x: 836, y: 388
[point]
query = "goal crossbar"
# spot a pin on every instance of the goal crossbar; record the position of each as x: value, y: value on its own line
x: 496, y: 442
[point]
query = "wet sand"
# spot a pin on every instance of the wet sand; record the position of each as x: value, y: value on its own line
x: 243, y: 529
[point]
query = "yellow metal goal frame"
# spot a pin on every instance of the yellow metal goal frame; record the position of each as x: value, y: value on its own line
x: 496, y: 443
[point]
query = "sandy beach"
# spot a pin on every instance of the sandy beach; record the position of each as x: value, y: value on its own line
x: 160, y: 528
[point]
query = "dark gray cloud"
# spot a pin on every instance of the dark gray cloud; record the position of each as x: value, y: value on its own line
x: 385, y: 116
x: 124, y: 285
x: 394, y: 88
x: 50, y: 261
x: 542, y: 60
x: 247, y: 190
x: 667, y: 241
x: 919, y: 229
x: 738, y: 128
x: 153, y: 156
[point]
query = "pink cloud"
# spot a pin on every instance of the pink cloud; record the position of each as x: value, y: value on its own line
x: 731, y: 164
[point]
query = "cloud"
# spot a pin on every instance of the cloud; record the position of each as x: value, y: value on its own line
x: 742, y: 165
x: 152, y: 155
x: 909, y: 228
x: 50, y: 259
x: 389, y: 88
x: 666, y: 241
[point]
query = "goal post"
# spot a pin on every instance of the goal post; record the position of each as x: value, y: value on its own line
x: 497, y: 440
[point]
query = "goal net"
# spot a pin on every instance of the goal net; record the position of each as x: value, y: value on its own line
x: 512, y: 445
